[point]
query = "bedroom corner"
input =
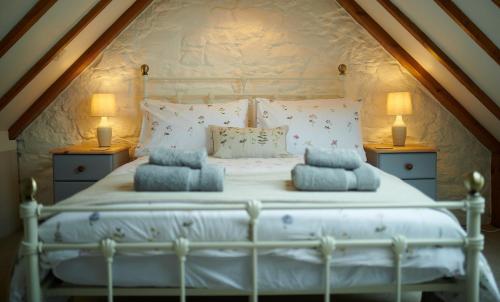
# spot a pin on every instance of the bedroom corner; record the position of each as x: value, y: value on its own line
x: 267, y: 39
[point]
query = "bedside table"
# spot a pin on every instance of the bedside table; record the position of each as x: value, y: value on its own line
x: 78, y: 167
x: 415, y: 164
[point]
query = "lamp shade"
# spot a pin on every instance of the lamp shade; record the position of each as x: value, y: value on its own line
x: 103, y: 104
x: 399, y: 103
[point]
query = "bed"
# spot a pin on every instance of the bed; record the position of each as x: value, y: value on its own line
x: 259, y: 236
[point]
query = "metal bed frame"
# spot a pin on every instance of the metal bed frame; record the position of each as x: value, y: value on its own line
x: 31, y: 212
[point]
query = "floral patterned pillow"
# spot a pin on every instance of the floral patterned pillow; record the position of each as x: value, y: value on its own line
x: 330, y: 123
x: 231, y: 142
x: 185, y: 126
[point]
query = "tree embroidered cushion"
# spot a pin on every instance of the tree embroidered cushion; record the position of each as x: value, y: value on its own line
x: 332, y: 123
x: 232, y: 142
x: 185, y: 126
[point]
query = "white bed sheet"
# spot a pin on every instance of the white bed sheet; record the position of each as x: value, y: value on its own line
x: 275, y: 273
x: 268, y: 175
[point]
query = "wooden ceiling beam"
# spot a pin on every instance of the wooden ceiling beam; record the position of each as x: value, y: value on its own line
x: 49, y: 55
x: 441, y: 56
x: 16, y: 33
x: 422, y: 75
x: 77, y: 67
x: 455, y: 13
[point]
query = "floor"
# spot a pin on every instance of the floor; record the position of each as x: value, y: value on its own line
x: 8, y: 250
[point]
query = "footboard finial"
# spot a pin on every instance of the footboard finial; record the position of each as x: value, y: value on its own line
x: 28, y: 189
x: 474, y: 182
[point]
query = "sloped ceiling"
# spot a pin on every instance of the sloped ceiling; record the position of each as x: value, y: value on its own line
x: 485, y: 14
x: 11, y: 12
x: 427, y: 15
x: 43, y: 35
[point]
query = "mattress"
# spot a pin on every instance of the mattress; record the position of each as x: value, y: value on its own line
x: 262, y: 179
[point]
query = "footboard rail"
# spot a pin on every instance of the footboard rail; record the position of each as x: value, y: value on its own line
x: 32, y: 212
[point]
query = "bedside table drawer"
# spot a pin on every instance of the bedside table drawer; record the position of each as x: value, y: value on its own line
x: 65, y: 189
x: 82, y: 167
x: 427, y: 186
x: 409, y: 165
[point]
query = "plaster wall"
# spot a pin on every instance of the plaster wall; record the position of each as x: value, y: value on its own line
x: 9, y: 188
x: 193, y: 38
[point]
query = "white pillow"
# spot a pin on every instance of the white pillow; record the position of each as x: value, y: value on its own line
x: 330, y: 123
x: 185, y: 126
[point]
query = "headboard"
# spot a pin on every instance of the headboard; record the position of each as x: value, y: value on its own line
x: 224, y: 89
x: 208, y: 89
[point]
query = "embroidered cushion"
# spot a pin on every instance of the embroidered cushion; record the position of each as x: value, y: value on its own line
x: 330, y: 123
x: 231, y: 142
x: 185, y: 126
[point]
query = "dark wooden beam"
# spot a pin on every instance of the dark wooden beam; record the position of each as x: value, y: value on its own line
x: 497, y: 2
x: 470, y: 28
x: 495, y: 189
x: 35, y: 13
x: 47, y: 58
x: 422, y: 75
x: 447, y: 62
x: 77, y: 67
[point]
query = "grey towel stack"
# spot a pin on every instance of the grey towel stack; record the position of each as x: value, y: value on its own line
x: 171, y: 157
x: 178, y: 170
x: 334, y: 170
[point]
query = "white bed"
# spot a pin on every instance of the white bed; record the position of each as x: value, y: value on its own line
x: 279, y: 269
x: 259, y: 235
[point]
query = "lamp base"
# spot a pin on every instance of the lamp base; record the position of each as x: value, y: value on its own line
x: 104, y: 136
x: 398, y: 135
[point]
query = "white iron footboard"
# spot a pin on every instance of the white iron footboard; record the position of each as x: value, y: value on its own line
x: 31, y: 212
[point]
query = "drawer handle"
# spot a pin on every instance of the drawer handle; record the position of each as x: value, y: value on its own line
x: 80, y: 169
x: 408, y: 166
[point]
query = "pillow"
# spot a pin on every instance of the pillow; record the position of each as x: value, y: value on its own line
x: 330, y: 123
x: 231, y: 142
x: 185, y: 126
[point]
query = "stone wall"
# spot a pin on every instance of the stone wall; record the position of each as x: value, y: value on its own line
x: 249, y: 38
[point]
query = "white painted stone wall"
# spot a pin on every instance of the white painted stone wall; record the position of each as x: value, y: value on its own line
x: 249, y: 38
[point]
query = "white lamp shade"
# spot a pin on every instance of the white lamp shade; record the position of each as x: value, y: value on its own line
x: 399, y: 103
x: 103, y: 104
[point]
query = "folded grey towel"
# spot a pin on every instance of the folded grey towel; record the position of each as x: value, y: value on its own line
x: 210, y: 178
x: 171, y: 157
x: 333, y: 158
x: 367, y: 178
x: 310, y: 178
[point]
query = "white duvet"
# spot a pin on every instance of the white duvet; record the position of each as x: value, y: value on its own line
x: 266, y: 179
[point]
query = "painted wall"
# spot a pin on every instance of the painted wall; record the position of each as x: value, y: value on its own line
x: 249, y: 38
x: 9, y: 196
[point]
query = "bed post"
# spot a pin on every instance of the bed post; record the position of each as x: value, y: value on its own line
x: 181, y: 247
x: 254, y: 207
x: 475, y: 240
x: 108, y: 249
x: 29, y: 211
x: 327, y: 247
x: 145, y: 76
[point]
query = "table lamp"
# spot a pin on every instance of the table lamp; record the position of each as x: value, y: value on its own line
x: 103, y: 105
x: 399, y: 104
